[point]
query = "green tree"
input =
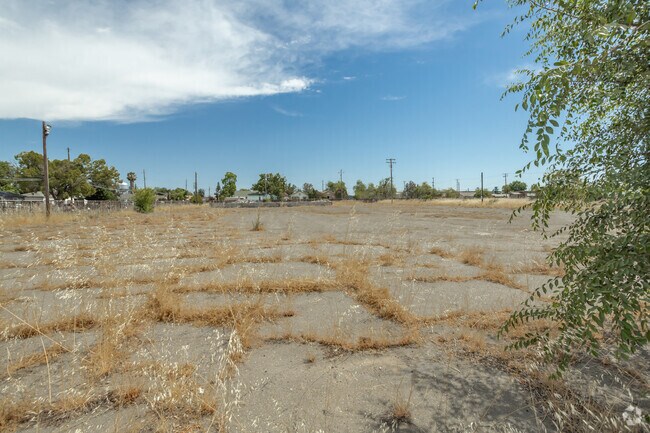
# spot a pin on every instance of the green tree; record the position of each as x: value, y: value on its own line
x: 486, y: 193
x: 360, y: 190
x: 384, y: 190
x: 410, y: 190
x: 450, y: 193
x: 311, y: 192
x: 217, y: 191
x: 339, y: 189
x: 426, y: 192
x: 291, y: 188
x: 131, y: 177
x: 67, y: 179
x: 178, y: 194
x: 228, y: 184
x: 589, y: 127
x: 273, y: 184
x: 7, y: 173
x: 515, y: 186
x: 29, y: 165
x: 371, y: 192
x: 143, y: 200
x: 101, y: 175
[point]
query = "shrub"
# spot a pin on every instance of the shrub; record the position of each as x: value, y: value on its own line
x: 143, y: 200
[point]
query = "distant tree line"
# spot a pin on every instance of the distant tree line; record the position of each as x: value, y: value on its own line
x: 80, y: 177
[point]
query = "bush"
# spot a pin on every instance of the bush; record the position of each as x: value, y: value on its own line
x: 486, y: 193
x: 143, y: 200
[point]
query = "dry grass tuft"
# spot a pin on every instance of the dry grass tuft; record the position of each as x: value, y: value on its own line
x: 389, y: 259
x: 471, y: 256
x: 353, y: 274
x: 290, y: 285
x: 164, y: 305
x: 76, y: 323
x: 317, y: 260
x: 540, y: 268
x: 400, y: 411
x: 258, y: 225
x: 34, y: 360
x: 441, y: 253
x: 497, y: 276
x: 363, y: 343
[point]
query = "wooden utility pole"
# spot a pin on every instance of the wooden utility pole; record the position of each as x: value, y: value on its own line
x: 144, y: 178
x: 505, y: 181
x: 196, y: 185
x: 481, y: 187
x: 46, y: 174
x: 391, y: 161
x: 68, y: 154
x: 340, y: 176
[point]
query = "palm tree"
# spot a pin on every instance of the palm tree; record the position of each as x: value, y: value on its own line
x: 131, y: 177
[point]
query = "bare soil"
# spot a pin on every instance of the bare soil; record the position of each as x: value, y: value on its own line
x: 350, y: 318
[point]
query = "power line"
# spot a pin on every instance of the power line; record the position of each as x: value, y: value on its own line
x: 390, y: 162
x: 46, y: 175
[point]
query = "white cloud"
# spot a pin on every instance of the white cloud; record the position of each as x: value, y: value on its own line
x: 514, y: 75
x: 285, y: 112
x: 137, y: 59
x: 349, y: 78
x: 392, y: 98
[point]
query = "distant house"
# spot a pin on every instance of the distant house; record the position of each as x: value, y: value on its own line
x: 35, y: 197
x: 10, y: 196
x: 257, y: 196
x: 240, y: 195
x: 467, y: 194
x: 299, y: 196
x: 522, y: 194
x: 330, y: 195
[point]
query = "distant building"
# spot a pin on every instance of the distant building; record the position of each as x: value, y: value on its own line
x: 299, y: 196
x: 240, y: 195
x: 258, y: 196
x: 35, y: 197
x: 10, y: 196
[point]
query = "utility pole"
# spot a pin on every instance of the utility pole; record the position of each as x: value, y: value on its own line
x: 481, y: 187
x: 390, y: 162
x: 266, y: 187
x: 68, y: 154
x: 505, y: 180
x: 433, y: 183
x: 196, y: 185
x: 46, y: 174
x: 322, y: 185
x: 144, y: 178
x: 185, y: 184
x: 340, y: 176
x: 458, y: 185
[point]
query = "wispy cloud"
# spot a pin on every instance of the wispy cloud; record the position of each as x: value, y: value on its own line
x: 392, y: 98
x: 285, y: 112
x: 130, y: 61
x: 511, y: 76
x: 349, y: 78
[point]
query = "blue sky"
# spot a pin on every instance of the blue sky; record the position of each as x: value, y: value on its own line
x: 258, y: 86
